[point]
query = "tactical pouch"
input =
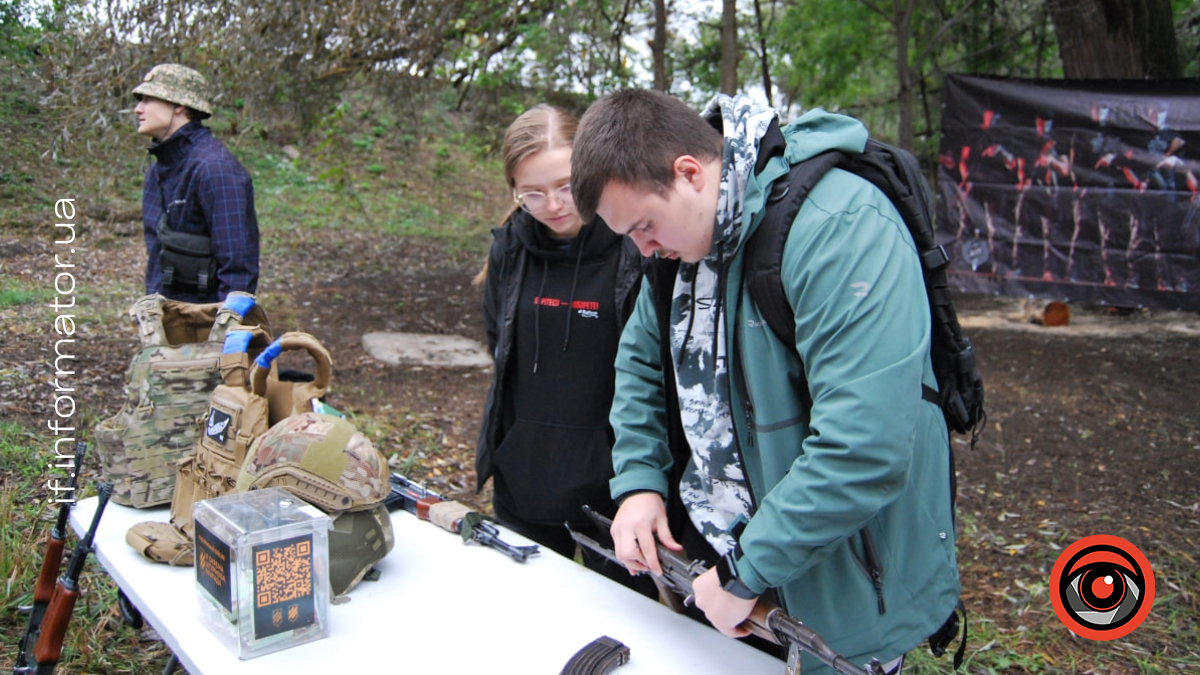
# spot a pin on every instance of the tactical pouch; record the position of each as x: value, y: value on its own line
x: 235, y: 417
x: 187, y: 260
x: 169, y: 382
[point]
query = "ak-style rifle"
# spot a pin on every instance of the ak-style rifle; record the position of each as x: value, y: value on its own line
x: 767, y: 620
x: 43, y: 592
x: 48, y: 642
x: 452, y: 517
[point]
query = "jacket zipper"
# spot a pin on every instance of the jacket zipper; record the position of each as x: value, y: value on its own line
x: 869, y: 564
x: 749, y: 421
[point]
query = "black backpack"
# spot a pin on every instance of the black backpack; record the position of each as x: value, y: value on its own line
x: 897, y: 173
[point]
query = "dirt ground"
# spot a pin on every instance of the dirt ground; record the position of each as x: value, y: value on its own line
x: 1092, y: 428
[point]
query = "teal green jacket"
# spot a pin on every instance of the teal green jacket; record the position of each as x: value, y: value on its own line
x: 848, y: 465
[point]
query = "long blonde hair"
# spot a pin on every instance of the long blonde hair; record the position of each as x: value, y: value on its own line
x: 542, y: 127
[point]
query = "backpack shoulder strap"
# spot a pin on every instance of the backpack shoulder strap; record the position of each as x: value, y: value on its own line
x: 764, y: 248
x: 884, y: 167
x: 898, y: 174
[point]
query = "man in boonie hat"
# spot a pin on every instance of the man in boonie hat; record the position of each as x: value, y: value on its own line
x: 198, y: 213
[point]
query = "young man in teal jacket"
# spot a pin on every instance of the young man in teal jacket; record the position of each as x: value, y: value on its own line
x: 824, y: 449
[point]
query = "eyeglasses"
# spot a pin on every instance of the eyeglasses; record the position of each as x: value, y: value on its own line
x: 537, y: 201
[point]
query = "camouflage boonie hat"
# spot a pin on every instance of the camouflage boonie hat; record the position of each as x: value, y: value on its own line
x: 322, y: 459
x: 176, y: 84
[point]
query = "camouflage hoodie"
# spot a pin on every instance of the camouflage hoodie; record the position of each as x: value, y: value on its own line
x: 713, y: 486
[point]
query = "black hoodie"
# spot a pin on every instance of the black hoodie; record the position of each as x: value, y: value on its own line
x: 554, y: 310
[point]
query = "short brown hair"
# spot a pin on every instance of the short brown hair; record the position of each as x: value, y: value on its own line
x: 542, y: 127
x: 633, y: 137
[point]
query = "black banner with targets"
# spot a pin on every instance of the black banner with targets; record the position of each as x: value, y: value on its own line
x: 1076, y: 190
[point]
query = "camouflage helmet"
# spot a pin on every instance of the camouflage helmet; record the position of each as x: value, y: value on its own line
x: 322, y: 459
x: 176, y: 84
x: 357, y: 540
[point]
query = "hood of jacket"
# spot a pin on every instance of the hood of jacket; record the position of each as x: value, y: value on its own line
x: 595, y: 238
x: 814, y: 132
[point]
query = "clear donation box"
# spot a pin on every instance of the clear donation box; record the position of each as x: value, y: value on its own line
x: 262, y: 570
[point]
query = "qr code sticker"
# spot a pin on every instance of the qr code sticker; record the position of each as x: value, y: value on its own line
x: 283, y: 573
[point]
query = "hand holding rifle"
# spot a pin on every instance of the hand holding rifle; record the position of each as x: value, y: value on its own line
x: 682, y: 575
x: 640, y: 528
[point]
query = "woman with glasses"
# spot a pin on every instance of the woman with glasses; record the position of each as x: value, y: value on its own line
x: 557, y: 292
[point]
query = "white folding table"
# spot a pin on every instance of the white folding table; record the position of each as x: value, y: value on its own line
x: 439, y: 606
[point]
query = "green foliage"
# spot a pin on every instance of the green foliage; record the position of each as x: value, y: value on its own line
x: 16, y: 293
x: 19, y: 511
x: 364, y: 142
x: 701, y: 60
x: 835, y: 53
x: 1002, y: 37
x: 22, y: 24
x: 1187, y: 32
x: 17, y: 455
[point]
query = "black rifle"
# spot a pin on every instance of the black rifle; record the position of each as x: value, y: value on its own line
x: 767, y: 620
x: 451, y: 516
x: 44, y: 590
x: 49, y: 642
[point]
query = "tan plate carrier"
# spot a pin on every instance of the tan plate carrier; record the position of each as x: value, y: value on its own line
x: 249, y: 402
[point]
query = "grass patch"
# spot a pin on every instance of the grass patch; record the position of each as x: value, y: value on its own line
x: 26, y: 518
x: 16, y: 292
x: 21, y: 465
x: 1013, y: 627
x: 19, y: 509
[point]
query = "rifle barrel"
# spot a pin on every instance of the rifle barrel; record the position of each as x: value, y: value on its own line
x: 64, y: 509
x: 58, y: 536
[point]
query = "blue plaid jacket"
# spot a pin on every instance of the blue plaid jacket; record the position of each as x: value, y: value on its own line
x: 209, y: 193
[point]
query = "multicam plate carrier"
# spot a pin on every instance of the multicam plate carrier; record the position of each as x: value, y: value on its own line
x: 169, y: 382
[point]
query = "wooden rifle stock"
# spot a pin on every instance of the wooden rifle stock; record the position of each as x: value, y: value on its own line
x: 54, y: 626
x: 43, y: 590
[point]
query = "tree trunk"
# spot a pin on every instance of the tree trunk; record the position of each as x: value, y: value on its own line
x: 729, y: 47
x: 902, y: 11
x: 658, y: 46
x: 764, y: 61
x: 1130, y: 39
